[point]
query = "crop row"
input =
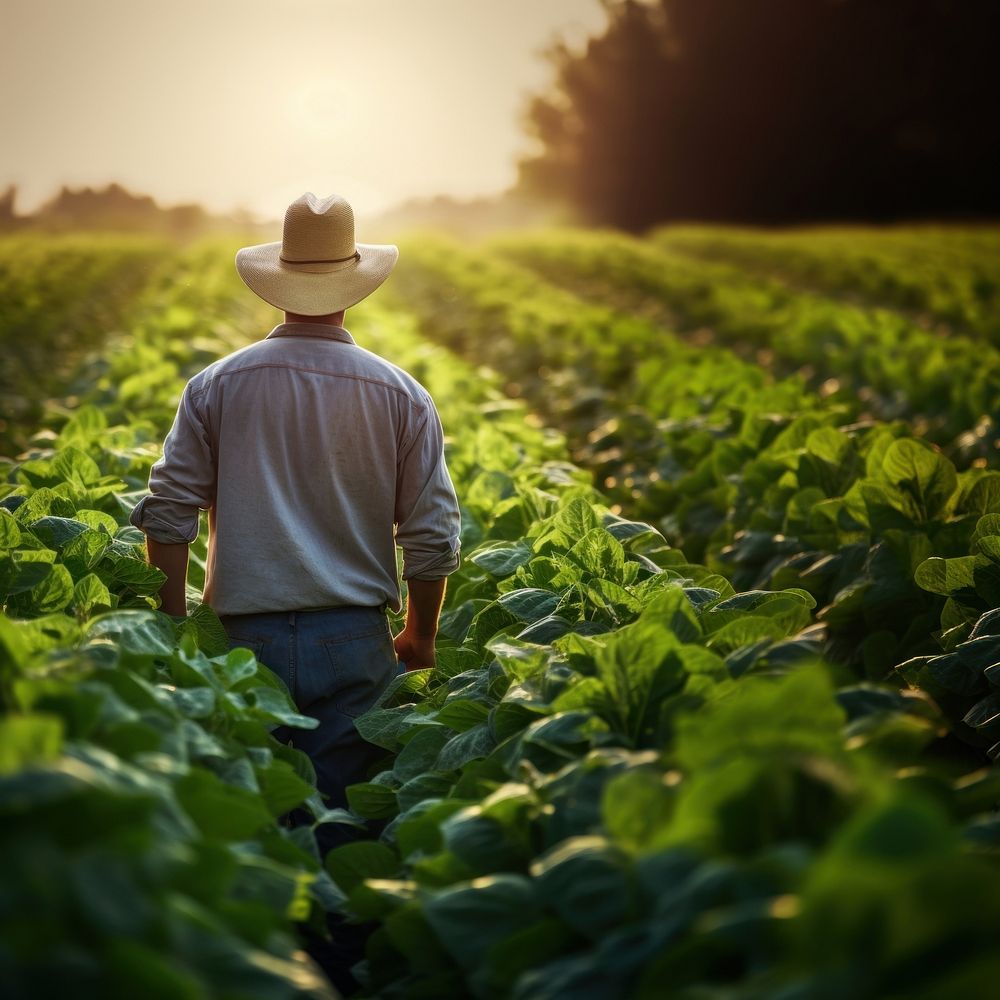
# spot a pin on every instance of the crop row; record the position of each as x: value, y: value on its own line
x: 624, y: 777
x: 59, y: 298
x: 948, y: 274
x: 769, y: 485
x: 948, y: 387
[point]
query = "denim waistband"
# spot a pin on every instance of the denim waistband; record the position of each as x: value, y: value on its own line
x: 345, y: 610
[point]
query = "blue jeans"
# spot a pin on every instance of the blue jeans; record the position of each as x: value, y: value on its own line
x: 335, y: 662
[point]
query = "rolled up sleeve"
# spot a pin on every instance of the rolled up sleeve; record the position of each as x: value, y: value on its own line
x: 428, y: 518
x: 181, y: 481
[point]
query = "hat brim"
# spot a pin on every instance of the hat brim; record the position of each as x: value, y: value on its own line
x: 314, y: 289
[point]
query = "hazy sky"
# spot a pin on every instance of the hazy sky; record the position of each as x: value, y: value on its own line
x: 252, y: 102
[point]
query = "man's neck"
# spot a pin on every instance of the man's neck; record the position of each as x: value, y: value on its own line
x: 330, y: 319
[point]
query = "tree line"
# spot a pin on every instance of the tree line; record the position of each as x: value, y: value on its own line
x: 773, y: 111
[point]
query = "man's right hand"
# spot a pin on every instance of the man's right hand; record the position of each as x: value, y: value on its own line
x: 415, y: 651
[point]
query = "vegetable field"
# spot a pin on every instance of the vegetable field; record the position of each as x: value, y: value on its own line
x: 716, y: 713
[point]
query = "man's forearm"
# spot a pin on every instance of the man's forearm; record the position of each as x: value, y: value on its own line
x: 171, y: 559
x: 423, y: 606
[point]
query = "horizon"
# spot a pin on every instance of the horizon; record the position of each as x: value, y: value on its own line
x: 184, y: 103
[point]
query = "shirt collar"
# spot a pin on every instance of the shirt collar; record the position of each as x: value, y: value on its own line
x: 324, y: 330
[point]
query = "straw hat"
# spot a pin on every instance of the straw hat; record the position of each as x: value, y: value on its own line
x: 316, y: 268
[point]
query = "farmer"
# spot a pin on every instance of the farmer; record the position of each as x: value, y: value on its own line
x: 307, y: 451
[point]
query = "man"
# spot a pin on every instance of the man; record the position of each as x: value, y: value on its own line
x: 307, y: 451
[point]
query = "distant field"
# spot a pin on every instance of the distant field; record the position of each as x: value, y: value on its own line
x: 717, y: 703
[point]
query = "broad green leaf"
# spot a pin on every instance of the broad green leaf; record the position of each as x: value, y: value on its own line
x: 10, y: 533
x: 135, y: 631
x: 984, y: 495
x: 350, y: 864
x: 500, y: 559
x: 469, y: 745
x: 587, y: 881
x: 97, y: 520
x: 27, y: 740
x: 946, y: 576
x: 469, y: 919
x: 372, y: 801
x: 138, y: 576
x: 986, y: 526
x: 281, y: 788
x: 55, y: 532
x: 571, y: 522
x: 55, y: 591
x: 271, y: 705
x: 84, y: 425
x: 85, y: 551
x: 529, y: 604
x: 221, y: 811
x: 75, y: 466
x: 420, y: 752
x: 461, y: 714
x: 90, y: 594
x: 20, y: 575
x: 926, y: 475
x: 637, y: 805
x: 599, y: 553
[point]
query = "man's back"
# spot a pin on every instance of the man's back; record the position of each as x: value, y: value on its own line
x: 306, y: 448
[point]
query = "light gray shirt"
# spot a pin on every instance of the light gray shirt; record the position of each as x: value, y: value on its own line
x: 307, y: 451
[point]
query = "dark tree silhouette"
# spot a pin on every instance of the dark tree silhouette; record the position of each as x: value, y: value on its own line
x: 774, y: 111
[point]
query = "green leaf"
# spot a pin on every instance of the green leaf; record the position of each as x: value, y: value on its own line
x: 90, y: 594
x: 420, y: 752
x: 382, y: 726
x: 75, y: 467
x: 469, y: 745
x: 469, y: 919
x: 208, y: 631
x: 55, y: 591
x: 236, y: 667
x: 461, y: 714
x: 221, y: 811
x: 27, y: 740
x: 926, y: 475
x: 134, y: 631
x: 419, y: 829
x: 281, y: 788
x: 946, y: 576
x: 586, y: 881
x: 55, y: 532
x: 500, y: 559
x: 742, y: 632
x: 575, y: 520
x: 85, y: 551
x: 600, y: 554
x: 638, y: 668
x: 530, y: 603
x: 372, y: 801
x: 984, y: 495
x: 637, y: 806
x: 10, y: 533
x: 20, y: 575
x: 42, y: 502
x: 194, y: 702
x: 97, y: 520
x: 270, y: 705
x: 350, y: 864
x: 138, y: 576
